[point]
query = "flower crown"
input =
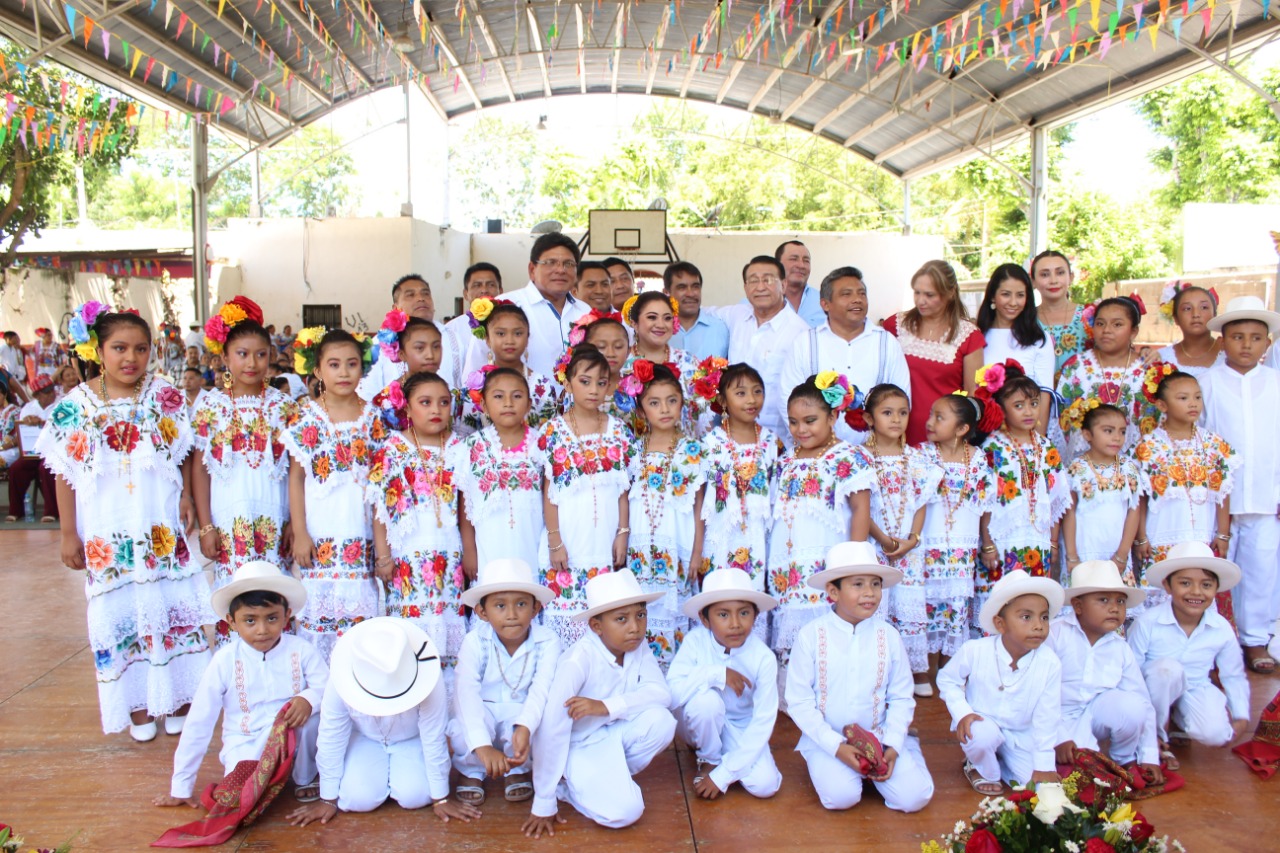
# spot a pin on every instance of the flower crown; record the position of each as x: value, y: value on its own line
x: 991, y: 377
x: 82, y: 332
x: 631, y: 303
x: 706, y: 379
x: 842, y: 396
x: 1151, y: 379
x: 1072, y: 417
x: 475, y: 383
x: 578, y: 333
x: 230, y: 315
x: 990, y: 416
x: 1171, y: 291
x: 478, y: 314
x: 393, y: 406
x: 560, y: 371
x: 388, y: 336
x: 633, y: 384
x: 306, y: 348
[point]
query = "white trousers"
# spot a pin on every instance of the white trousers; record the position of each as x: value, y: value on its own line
x: 701, y: 723
x: 1200, y: 711
x: 1255, y: 540
x: 1115, y: 715
x: 1001, y: 755
x: 373, y: 772
x: 250, y: 749
x: 597, y: 776
x: 839, y: 786
x: 499, y: 732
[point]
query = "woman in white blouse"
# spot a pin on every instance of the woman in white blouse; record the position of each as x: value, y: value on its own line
x: 1007, y: 318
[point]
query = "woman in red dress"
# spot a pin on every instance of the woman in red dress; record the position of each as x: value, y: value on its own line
x: 943, y: 347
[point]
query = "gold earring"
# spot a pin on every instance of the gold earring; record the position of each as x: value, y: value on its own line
x: 227, y: 380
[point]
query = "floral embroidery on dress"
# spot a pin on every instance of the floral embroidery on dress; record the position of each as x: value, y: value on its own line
x: 1197, y: 470
x: 1083, y: 378
x: 242, y: 431
x: 545, y: 402
x: 326, y: 449
x: 571, y: 458
x: 1069, y: 339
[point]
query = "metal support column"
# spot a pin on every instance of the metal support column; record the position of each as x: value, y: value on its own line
x: 200, y: 216
x: 1038, y: 209
x: 406, y: 209
x: 255, y: 184
x: 906, y: 207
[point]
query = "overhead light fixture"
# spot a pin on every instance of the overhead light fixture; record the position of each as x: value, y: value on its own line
x: 402, y: 43
x: 542, y: 123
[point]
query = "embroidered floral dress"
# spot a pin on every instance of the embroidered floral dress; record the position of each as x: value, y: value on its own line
x: 660, y: 546
x: 1184, y: 482
x: 587, y: 474
x: 9, y: 430
x: 811, y: 513
x: 738, y: 507
x: 502, y: 495
x: 341, y: 589
x: 1104, y: 494
x: 1031, y: 494
x: 904, y: 483
x: 147, y: 597
x: 949, y: 545
x: 249, y: 478
x: 937, y: 368
x: 544, y: 404
x: 1069, y: 339
x: 697, y: 416
x: 413, y: 493
x: 1084, y: 378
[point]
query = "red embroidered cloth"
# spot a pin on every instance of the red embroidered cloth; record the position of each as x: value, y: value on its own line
x: 1262, y: 754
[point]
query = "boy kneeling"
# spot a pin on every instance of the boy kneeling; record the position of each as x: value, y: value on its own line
x: 1103, y: 694
x: 724, y: 688
x: 249, y: 681
x: 500, y: 689
x: 1178, y: 644
x: 1004, y: 691
x: 850, y: 690
x: 606, y: 714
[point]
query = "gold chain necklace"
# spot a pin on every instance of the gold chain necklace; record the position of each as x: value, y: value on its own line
x: 436, y: 476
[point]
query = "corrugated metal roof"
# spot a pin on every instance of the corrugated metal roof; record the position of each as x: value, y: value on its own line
x: 912, y: 86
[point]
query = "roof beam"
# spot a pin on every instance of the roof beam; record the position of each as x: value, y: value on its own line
x: 492, y: 44
x: 703, y: 40
x: 756, y: 39
x: 886, y: 72
x: 371, y: 17
x: 897, y: 108
x: 811, y: 34
x: 536, y: 38
x: 39, y: 53
x: 654, y: 52
x: 619, y: 24
x: 346, y: 60
x: 452, y: 56
x: 814, y: 87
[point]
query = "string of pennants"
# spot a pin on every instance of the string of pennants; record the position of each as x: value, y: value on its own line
x: 133, y: 267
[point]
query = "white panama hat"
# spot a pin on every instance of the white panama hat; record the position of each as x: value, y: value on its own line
x: 259, y: 576
x: 612, y: 590
x: 1101, y: 576
x: 726, y: 585
x: 854, y: 558
x: 1014, y: 584
x: 384, y: 666
x: 1194, y: 555
x: 1246, y: 308
x: 505, y: 575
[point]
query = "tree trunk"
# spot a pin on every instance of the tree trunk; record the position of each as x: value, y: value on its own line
x: 15, y: 195
x: 11, y: 250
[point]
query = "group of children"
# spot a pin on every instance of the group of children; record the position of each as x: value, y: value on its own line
x: 632, y: 511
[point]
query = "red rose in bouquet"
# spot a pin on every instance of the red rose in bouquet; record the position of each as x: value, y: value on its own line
x: 1097, y: 845
x: 982, y: 841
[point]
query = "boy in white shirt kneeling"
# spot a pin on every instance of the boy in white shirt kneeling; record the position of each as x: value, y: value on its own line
x: 250, y: 680
x: 724, y: 688
x: 500, y: 689
x: 606, y: 716
x: 849, y: 690
x: 1103, y: 694
x: 1004, y: 691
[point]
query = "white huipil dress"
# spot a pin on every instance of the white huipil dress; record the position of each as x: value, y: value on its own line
x: 904, y: 483
x: 147, y: 597
x: 660, y: 546
x: 502, y: 495
x: 587, y: 475
x: 1104, y: 496
x: 341, y: 589
x: 738, y: 507
x: 413, y: 493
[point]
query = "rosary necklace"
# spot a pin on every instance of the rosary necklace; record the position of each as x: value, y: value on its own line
x: 743, y: 470
x: 123, y: 435
x: 435, y: 476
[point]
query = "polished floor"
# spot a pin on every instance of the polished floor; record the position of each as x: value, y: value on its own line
x: 62, y: 778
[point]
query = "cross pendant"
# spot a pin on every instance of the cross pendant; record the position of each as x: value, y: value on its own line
x: 129, y: 486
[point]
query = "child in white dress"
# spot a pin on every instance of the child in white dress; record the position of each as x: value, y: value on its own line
x: 666, y: 497
x: 406, y: 345
x: 585, y: 497
x: 1102, y: 522
x: 724, y: 688
x: 117, y: 446
x: 416, y: 542
x: 331, y: 442
x: 504, y: 329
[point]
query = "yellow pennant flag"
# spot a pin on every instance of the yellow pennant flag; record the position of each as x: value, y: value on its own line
x: 137, y: 54
x: 221, y: 4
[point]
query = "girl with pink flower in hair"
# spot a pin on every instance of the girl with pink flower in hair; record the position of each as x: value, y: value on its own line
x: 117, y: 444
x: 823, y: 497
x: 585, y: 500
x: 504, y: 328
x: 239, y: 480
x: 416, y: 539
x: 403, y: 346
x: 331, y: 442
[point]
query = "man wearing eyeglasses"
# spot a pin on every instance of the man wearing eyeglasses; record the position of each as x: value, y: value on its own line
x: 761, y: 331
x: 548, y: 300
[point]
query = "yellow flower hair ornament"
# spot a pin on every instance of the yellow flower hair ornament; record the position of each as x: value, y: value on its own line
x: 305, y: 347
x: 1152, y: 378
x: 630, y: 304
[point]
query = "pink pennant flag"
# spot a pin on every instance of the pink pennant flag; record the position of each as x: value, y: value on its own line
x: 151, y: 63
x: 182, y: 24
x: 106, y: 44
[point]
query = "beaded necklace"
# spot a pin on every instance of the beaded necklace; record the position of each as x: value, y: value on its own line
x: 788, y: 507
x: 1029, y: 475
x: 1194, y: 450
x: 655, y: 507
x: 964, y: 493
x: 885, y: 471
x: 123, y: 435
x: 507, y: 456
x: 1113, y: 482
x: 256, y: 432
x: 572, y: 418
x: 435, y: 477
x: 742, y: 470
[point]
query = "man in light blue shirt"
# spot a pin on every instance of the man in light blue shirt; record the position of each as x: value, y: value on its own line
x: 804, y: 300
x: 701, y: 333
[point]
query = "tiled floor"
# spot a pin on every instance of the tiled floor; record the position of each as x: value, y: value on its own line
x: 61, y: 777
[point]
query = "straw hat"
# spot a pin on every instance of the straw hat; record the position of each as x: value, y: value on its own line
x: 1014, y: 584
x: 1246, y: 308
x: 726, y: 585
x: 612, y: 590
x: 853, y: 558
x: 1194, y: 555
x: 1101, y: 576
x: 505, y: 575
x: 384, y: 666
x: 260, y: 576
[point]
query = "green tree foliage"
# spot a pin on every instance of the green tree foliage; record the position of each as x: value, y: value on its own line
x: 33, y: 172
x: 494, y: 168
